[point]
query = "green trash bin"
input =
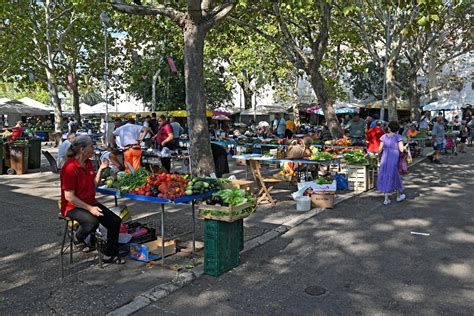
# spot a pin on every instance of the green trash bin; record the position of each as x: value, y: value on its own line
x: 34, y: 158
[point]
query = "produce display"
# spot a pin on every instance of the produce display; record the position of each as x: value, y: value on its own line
x: 322, y: 180
x: 344, y: 141
x: 229, y: 203
x: 199, y: 185
x: 321, y: 156
x: 356, y: 157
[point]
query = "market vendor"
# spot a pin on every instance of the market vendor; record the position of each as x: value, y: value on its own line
x: 164, y: 138
x: 131, y: 135
x: 17, y: 131
x: 356, y: 128
x: 78, y: 184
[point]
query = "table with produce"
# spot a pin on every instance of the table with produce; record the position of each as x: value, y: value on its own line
x: 166, y: 189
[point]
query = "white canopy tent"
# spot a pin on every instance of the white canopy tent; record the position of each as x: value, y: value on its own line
x: 442, y: 105
x: 20, y: 108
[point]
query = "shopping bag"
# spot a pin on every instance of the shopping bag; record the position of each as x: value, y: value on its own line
x: 341, y: 182
x: 409, y: 156
x: 403, y: 163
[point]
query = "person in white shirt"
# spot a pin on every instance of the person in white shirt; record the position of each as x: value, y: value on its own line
x: 131, y: 135
x: 177, y: 131
x: 62, y: 151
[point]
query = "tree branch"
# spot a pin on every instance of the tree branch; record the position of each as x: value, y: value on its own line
x: 283, y: 45
x: 290, y: 38
x: 60, y: 15
x: 220, y: 12
x: 175, y: 15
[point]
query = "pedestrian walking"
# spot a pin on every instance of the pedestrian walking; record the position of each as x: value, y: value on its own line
x: 437, y: 135
x: 389, y: 178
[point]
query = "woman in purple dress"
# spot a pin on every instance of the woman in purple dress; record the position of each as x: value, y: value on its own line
x: 389, y: 179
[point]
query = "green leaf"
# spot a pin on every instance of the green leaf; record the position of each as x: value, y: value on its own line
x: 434, y: 17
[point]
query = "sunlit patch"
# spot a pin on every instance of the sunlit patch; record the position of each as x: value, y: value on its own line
x: 411, y: 222
x: 411, y: 294
x: 461, y: 237
x: 458, y: 270
x: 339, y: 221
x: 381, y: 227
x: 362, y: 249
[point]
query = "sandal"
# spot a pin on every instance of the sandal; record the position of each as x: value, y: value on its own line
x: 114, y: 260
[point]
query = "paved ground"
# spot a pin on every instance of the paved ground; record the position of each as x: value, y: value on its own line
x: 362, y: 253
x: 29, y: 271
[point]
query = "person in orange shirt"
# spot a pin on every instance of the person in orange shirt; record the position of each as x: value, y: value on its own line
x: 290, y: 128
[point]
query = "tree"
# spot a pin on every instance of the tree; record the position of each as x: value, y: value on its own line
x: 34, y: 39
x: 301, y: 31
x: 433, y: 41
x: 195, y: 19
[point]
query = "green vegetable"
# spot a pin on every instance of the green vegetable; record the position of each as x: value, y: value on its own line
x: 356, y: 157
x: 128, y: 181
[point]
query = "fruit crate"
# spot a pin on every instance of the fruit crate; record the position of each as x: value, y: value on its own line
x: 222, y: 245
x: 357, y: 177
x: 228, y: 212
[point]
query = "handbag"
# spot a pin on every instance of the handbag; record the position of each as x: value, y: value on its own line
x: 403, y: 163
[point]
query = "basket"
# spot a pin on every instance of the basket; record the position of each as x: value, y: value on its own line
x: 232, y: 213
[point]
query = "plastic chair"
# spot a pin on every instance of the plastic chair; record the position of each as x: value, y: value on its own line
x: 51, y: 160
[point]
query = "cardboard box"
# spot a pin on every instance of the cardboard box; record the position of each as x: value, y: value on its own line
x: 151, y: 250
x: 323, y: 199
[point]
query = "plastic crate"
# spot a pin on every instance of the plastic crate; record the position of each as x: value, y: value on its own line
x: 222, y: 244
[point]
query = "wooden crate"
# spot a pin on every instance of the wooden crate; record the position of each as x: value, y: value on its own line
x: 229, y: 210
x: 357, y: 176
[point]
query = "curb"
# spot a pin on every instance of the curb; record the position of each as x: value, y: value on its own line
x: 185, y: 278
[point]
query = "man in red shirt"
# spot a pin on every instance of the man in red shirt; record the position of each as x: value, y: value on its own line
x: 373, y: 137
x: 78, y: 184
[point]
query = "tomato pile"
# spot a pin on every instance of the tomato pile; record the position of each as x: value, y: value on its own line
x: 163, y: 185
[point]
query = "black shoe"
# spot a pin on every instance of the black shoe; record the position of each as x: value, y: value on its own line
x: 437, y: 161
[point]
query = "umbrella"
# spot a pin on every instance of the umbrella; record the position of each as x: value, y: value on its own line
x: 18, y: 107
x: 220, y: 118
x: 312, y: 109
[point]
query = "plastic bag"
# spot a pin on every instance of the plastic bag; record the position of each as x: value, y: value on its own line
x: 341, y: 182
x: 409, y: 156
x: 403, y: 163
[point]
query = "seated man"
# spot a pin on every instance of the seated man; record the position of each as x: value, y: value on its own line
x: 62, y: 151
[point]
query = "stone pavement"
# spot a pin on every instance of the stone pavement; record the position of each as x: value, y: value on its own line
x: 361, y: 254
x: 29, y: 273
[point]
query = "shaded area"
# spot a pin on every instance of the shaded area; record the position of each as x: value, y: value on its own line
x: 363, y: 254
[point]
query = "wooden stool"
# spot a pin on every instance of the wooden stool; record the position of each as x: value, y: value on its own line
x: 264, y: 192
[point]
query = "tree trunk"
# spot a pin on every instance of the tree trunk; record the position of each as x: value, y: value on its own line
x: 432, y: 75
x: 202, y: 162
x: 317, y: 82
x: 296, y: 114
x: 247, y: 96
x: 56, y: 102
x: 391, y: 94
x: 414, y: 98
x: 153, y: 90
x: 75, y: 101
